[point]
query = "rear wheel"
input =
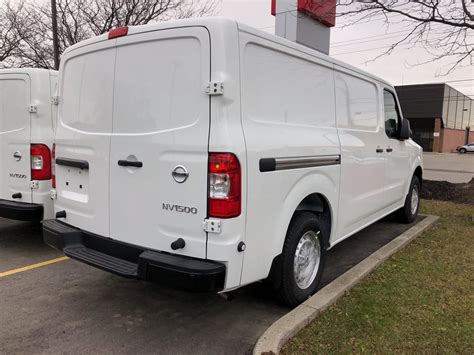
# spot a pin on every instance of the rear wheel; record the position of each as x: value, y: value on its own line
x: 463, y: 151
x: 409, y: 211
x: 303, y: 259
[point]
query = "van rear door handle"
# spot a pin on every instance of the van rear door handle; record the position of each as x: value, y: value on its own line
x: 389, y: 150
x: 135, y: 164
x: 379, y: 150
x: 73, y: 163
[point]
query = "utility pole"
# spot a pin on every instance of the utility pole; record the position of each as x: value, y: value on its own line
x: 54, y: 23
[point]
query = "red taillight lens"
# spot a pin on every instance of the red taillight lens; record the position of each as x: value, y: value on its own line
x: 40, y: 162
x: 118, y: 32
x: 224, y: 185
x: 53, y: 167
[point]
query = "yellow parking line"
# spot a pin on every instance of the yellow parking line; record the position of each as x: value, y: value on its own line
x: 34, y: 266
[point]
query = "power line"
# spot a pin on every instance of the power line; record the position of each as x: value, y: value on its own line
x: 369, y: 49
x: 376, y: 48
x: 356, y: 42
x: 375, y: 36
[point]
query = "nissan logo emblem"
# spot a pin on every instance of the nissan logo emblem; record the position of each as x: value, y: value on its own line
x: 180, y: 174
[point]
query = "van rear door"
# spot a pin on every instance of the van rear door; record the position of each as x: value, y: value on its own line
x: 15, y: 133
x: 160, y: 126
x: 83, y: 136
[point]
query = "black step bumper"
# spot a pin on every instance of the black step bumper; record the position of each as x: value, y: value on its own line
x: 21, y: 211
x: 132, y: 261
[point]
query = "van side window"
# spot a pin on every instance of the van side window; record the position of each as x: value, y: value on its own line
x: 356, y: 103
x: 392, y: 117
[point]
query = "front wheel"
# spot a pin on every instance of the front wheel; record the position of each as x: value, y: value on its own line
x: 303, y: 259
x: 462, y: 150
x: 409, y: 211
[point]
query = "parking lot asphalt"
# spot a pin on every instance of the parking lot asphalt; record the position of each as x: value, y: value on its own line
x: 452, y: 167
x: 69, y: 307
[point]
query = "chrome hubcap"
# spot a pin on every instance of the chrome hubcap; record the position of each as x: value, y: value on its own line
x: 307, y: 258
x: 414, y: 200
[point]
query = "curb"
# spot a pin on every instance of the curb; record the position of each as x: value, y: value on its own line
x: 273, y: 339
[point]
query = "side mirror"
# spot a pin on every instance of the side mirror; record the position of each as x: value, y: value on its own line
x: 405, y: 130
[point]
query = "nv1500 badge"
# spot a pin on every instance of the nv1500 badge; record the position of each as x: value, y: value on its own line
x: 178, y: 208
x: 18, y: 176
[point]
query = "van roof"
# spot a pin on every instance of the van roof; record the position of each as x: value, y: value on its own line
x: 29, y: 71
x: 218, y: 24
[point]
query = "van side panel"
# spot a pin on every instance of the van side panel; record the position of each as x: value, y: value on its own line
x: 398, y: 171
x: 362, y: 152
x: 42, y: 131
x: 226, y: 135
x: 15, y: 131
x: 53, y: 84
x: 288, y: 111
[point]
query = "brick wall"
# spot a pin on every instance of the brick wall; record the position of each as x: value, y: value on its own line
x: 450, y: 139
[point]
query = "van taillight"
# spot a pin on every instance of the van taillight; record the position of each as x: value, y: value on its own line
x: 53, y: 166
x: 224, y: 185
x: 40, y: 162
x: 118, y: 32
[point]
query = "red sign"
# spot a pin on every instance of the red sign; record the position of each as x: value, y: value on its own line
x: 323, y: 11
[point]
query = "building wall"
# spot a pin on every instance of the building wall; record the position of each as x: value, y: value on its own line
x: 439, y: 115
x: 421, y: 101
x: 458, y: 109
x: 450, y: 139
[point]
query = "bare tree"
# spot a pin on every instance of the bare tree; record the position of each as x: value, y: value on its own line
x: 31, y: 24
x: 9, y: 39
x: 445, y: 28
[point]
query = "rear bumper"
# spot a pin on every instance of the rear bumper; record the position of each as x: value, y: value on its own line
x: 21, y: 211
x: 132, y: 261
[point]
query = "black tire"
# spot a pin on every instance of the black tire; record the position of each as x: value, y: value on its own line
x: 289, y: 292
x: 406, y: 214
x: 463, y: 151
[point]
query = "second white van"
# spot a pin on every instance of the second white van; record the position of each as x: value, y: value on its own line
x: 27, y: 119
x: 209, y: 155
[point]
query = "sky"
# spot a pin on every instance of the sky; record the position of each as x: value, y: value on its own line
x: 398, y: 68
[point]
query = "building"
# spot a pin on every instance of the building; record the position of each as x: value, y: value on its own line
x: 441, y: 117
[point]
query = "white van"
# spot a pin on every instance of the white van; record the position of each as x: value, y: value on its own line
x: 209, y: 155
x: 27, y: 118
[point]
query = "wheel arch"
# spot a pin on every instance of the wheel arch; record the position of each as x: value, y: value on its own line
x: 318, y: 204
x: 419, y: 174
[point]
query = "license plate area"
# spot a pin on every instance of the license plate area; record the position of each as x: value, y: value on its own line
x: 73, y: 183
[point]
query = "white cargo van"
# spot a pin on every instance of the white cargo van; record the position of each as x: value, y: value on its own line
x: 209, y: 155
x: 27, y: 118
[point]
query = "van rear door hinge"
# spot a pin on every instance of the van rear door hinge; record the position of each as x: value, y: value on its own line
x: 34, y: 184
x: 54, y: 100
x: 32, y: 109
x: 215, y: 88
x: 212, y: 226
